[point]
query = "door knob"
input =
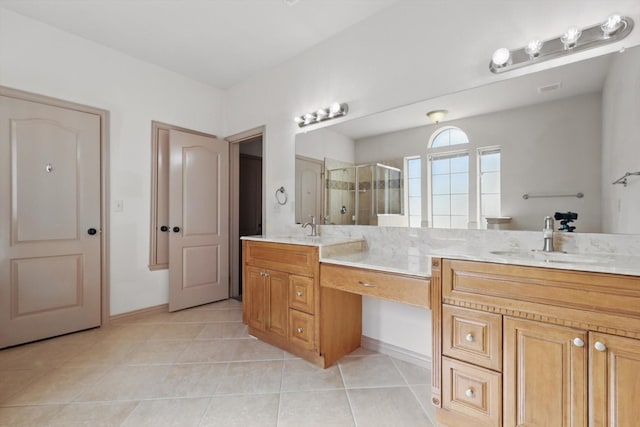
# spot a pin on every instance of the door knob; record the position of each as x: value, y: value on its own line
x: 164, y: 228
x: 92, y: 231
x: 176, y: 229
x: 578, y: 342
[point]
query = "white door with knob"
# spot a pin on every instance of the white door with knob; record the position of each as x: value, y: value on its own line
x: 199, y: 220
x: 50, y: 231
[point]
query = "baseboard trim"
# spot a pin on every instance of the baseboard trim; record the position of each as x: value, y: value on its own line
x: 396, y: 352
x: 162, y: 308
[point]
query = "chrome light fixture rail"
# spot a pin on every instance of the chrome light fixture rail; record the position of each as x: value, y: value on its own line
x: 574, y: 39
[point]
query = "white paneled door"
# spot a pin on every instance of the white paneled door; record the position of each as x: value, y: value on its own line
x: 50, y: 231
x: 199, y: 220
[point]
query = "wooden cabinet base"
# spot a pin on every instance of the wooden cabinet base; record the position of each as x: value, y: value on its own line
x: 287, y: 346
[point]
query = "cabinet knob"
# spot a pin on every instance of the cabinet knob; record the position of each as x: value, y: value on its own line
x: 578, y: 342
x: 469, y: 337
x: 599, y: 346
x: 299, y: 330
x: 299, y: 293
x: 470, y: 393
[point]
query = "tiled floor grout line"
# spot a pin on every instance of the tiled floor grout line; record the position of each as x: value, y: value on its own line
x: 346, y: 392
x: 280, y: 394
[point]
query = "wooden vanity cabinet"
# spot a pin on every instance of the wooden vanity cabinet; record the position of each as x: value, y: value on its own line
x: 568, y: 344
x: 283, y: 306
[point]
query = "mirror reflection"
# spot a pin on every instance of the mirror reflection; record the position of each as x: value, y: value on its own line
x: 505, y: 156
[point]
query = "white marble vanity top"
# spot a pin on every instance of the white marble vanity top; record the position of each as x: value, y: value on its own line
x: 409, y: 252
x: 599, y: 263
x: 299, y: 240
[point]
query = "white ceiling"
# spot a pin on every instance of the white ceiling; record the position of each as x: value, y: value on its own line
x: 218, y: 42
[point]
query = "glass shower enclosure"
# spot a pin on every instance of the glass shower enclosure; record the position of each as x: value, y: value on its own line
x: 361, y: 194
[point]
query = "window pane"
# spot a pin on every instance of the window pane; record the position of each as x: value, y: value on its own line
x: 439, y: 166
x: 490, y: 205
x: 490, y: 183
x: 459, y: 222
x: 460, y: 164
x: 441, y: 205
x: 460, y: 205
x: 415, y: 187
x: 413, y: 168
x: 441, y: 184
x: 456, y: 136
x: 441, y: 140
x: 441, y: 221
x: 460, y: 183
x: 489, y: 162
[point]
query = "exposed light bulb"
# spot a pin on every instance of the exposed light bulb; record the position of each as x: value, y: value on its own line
x: 501, y: 57
x: 298, y: 119
x: 533, y: 48
x: 570, y: 37
x: 322, y: 113
x: 611, y: 25
x: 335, y: 108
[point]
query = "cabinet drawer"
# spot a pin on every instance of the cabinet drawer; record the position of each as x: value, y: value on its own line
x: 472, y: 391
x: 297, y: 259
x: 301, y: 329
x: 301, y: 294
x: 394, y: 287
x: 473, y: 336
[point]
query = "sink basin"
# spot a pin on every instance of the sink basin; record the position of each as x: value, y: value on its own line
x: 551, y: 257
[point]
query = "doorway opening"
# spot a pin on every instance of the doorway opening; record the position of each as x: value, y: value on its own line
x: 247, y: 198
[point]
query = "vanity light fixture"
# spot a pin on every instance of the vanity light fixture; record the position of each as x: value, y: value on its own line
x: 615, y: 28
x: 333, y: 111
x: 436, y: 116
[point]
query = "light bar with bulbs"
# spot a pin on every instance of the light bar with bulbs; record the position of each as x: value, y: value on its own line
x: 333, y: 111
x: 615, y: 28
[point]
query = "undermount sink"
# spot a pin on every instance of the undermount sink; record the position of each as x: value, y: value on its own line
x: 551, y: 257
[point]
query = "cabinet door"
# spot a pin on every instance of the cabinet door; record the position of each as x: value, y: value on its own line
x: 545, y: 375
x: 615, y: 380
x: 256, y: 297
x: 277, y: 304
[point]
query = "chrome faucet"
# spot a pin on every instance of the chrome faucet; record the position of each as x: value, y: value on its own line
x: 312, y: 224
x: 547, y: 234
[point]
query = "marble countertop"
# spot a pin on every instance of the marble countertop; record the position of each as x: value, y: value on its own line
x: 396, y: 257
x: 300, y: 240
x: 592, y: 262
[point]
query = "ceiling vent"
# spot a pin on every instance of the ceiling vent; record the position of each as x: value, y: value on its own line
x: 549, y: 88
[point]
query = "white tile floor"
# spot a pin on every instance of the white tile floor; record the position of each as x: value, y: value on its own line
x: 199, y: 367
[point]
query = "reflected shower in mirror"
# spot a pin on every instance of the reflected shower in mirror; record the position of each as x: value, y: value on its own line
x: 549, y: 135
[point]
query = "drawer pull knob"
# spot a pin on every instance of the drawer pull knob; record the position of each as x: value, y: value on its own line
x: 299, y: 330
x: 299, y: 293
x: 470, y: 393
x: 578, y: 342
x: 366, y: 285
x: 599, y: 346
x: 469, y: 337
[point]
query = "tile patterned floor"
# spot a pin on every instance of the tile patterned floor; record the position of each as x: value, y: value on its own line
x: 199, y: 367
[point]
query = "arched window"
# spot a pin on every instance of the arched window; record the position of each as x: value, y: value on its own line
x: 448, y: 136
x: 449, y: 179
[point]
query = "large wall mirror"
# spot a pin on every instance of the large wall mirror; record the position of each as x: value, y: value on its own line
x: 505, y: 156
